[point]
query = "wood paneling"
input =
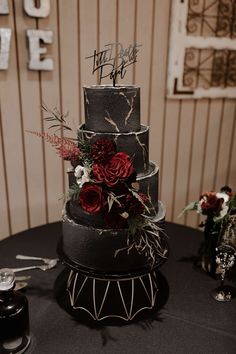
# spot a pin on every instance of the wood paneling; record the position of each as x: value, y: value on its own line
x: 157, y: 109
x: 29, y: 89
x: 144, y: 29
x: 5, y: 222
x: 12, y: 132
x: 88, y: 39
x: 193, y: 142
x: 126, y: 30
x: 70, y: 85
x: 183, y: 159
x: 50, y: 93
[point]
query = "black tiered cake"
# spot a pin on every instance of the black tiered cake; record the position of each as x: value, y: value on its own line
x: 113, y: 113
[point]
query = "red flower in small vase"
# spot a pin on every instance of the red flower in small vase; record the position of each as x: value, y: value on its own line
x: 210, y: 204
x: 91, y: 198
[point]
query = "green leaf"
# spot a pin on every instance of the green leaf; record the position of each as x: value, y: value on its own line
x: 232, y: 203
x: 73, y: 192
x: 56, y: 116
x: 190, y: 206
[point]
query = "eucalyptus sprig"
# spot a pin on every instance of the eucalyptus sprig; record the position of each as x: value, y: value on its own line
x: 84, y: 144
x: 56, y: 116
x: 147, y: 238
x: 73, y: 192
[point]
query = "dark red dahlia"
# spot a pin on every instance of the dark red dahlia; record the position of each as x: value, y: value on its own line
x: 102, y: 150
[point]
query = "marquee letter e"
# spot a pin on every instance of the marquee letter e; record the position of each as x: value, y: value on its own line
x: 34, y: 38
x: 5, y: 41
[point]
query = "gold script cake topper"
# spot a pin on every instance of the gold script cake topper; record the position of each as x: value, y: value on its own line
x: 113, y: 60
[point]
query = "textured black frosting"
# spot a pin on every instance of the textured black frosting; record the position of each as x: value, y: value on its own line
x: 95, y: 248
x: 135, y: 144
x: 112, y: 109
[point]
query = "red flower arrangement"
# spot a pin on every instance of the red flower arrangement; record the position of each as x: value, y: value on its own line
x: 211, y: 204
x: 104, y: 180
x: 105, y: 185
x: 219, y: 209
x: 214, y: 205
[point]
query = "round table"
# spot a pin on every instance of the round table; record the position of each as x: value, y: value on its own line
x: 187, y: 319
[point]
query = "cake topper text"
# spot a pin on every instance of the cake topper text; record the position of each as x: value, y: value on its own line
x: 113, y: 60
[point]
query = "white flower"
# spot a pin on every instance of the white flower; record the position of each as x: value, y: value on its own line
x: 224, y: 196
x: 224, y: 207
x: 82, y: 175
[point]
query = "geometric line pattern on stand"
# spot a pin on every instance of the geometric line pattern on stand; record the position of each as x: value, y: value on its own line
x: 97, y: 296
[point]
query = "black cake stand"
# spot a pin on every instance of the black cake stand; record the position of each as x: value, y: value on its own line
x: 105, y: 295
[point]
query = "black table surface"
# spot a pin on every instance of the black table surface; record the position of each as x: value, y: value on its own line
x: 189, y: 321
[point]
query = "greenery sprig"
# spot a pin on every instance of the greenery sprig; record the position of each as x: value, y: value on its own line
x: 56, y: 116
x: 73, y: 192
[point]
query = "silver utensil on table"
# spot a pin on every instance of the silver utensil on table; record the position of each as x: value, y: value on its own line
x: 22, y: 278
x: 45, y: 260
x: 41, y: 267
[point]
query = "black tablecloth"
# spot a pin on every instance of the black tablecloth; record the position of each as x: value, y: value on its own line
x: 190, y: 321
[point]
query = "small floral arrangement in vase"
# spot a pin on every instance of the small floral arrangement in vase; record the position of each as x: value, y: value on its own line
x: 218, y: 208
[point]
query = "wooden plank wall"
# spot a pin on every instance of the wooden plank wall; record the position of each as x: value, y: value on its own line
x: 194, y: 142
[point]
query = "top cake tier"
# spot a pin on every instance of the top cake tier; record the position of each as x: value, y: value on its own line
x: 112, y: 109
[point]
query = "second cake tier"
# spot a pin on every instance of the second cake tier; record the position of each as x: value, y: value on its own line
x: 135, y: 144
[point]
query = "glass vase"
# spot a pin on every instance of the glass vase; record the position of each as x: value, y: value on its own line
x: 207, y: 250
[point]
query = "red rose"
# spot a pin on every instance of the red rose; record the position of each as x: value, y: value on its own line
x: 134, y: 206
x: 91, y: 198
x: 102, y: 150
x: 98, y: 172
x: 210, y: 203
x: 129, y: 206
x: 118, y: 168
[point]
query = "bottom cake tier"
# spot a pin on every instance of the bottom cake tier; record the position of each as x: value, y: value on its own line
x: 94, y: 250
